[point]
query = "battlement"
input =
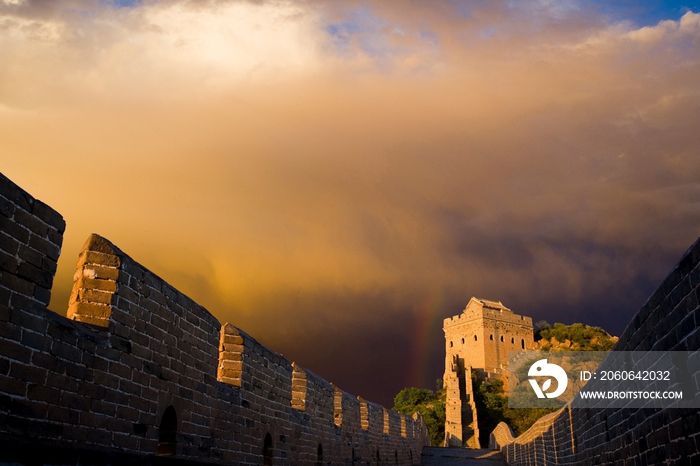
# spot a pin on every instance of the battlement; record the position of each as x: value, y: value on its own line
x: 138, y: 368
x: 479, y: 309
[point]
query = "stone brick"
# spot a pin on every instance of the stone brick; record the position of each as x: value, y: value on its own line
x: 79, y: 372
x: 4, y: 298
x: 95, y: 310
x: 63, y: 382
x: 47, y: 361
x: 15, y: 194
x: 110, y: 354
x: 62, y: 332
x: 116, y: 397
x: 17, y: 284
x: 9, y: 262
x: 87, y: 346
x: 13, y: 386
x: 76, y: 402
x: 15, y: 351
x: 28, y: 254
x: 55, y: 236
x: 103, y: 407
x: 13, y: 235
x: 45, y: 247
x: 65, y: 415
x: 7, y: 208
x: 42, y: 393
x: 9, y: 331
x: 125, y: 441
x: 98, y: 272
x: 95, y: 284
x: 98, y: 258
x: 94, y: 296
x: 28, y: 313
x: 97, y: 321
x: 33, y: 340
x: 31, y: 222
x: 120, y: 370
x: 27, y: 373
x: 120, y: 344
x: 49, y: 216
x: 91, y: 390
x: 66, y: 351
x: 99, y: 436
x: 42, y: 295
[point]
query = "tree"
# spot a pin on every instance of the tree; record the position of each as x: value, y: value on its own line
x: 539, y: 327
x: 431, y: 405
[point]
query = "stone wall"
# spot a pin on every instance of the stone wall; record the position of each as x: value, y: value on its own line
x: 138, y: 368
x: 669, y: 321
x: 461, y: 423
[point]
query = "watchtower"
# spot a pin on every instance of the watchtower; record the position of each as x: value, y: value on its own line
x: 478, y: 339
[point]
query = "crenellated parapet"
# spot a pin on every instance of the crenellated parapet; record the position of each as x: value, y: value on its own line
x: 139, y: 369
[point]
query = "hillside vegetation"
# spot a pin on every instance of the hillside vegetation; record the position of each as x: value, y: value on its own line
x: 575, y: 337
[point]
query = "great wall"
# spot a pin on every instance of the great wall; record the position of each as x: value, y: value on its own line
x: 140, y: 373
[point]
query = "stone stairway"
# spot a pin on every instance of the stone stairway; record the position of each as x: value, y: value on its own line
x: 460, y: 457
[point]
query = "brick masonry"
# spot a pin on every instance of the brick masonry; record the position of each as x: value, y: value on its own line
x: 96, y: 385
x: 669, y: 321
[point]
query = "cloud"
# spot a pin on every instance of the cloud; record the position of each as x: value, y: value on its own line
x: 317, y: 172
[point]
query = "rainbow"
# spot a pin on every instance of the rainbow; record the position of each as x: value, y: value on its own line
x: 426, y: 332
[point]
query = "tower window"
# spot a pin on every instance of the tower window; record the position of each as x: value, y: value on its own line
x: 501, y: 338
x: 522, y: 343
x: 491, y: 337
x: 475, y: 339
x: 450, y: 344
x: 512, y: 340
x: 462, y: 340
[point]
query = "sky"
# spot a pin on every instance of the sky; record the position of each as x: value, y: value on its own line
x: 337, y: 177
